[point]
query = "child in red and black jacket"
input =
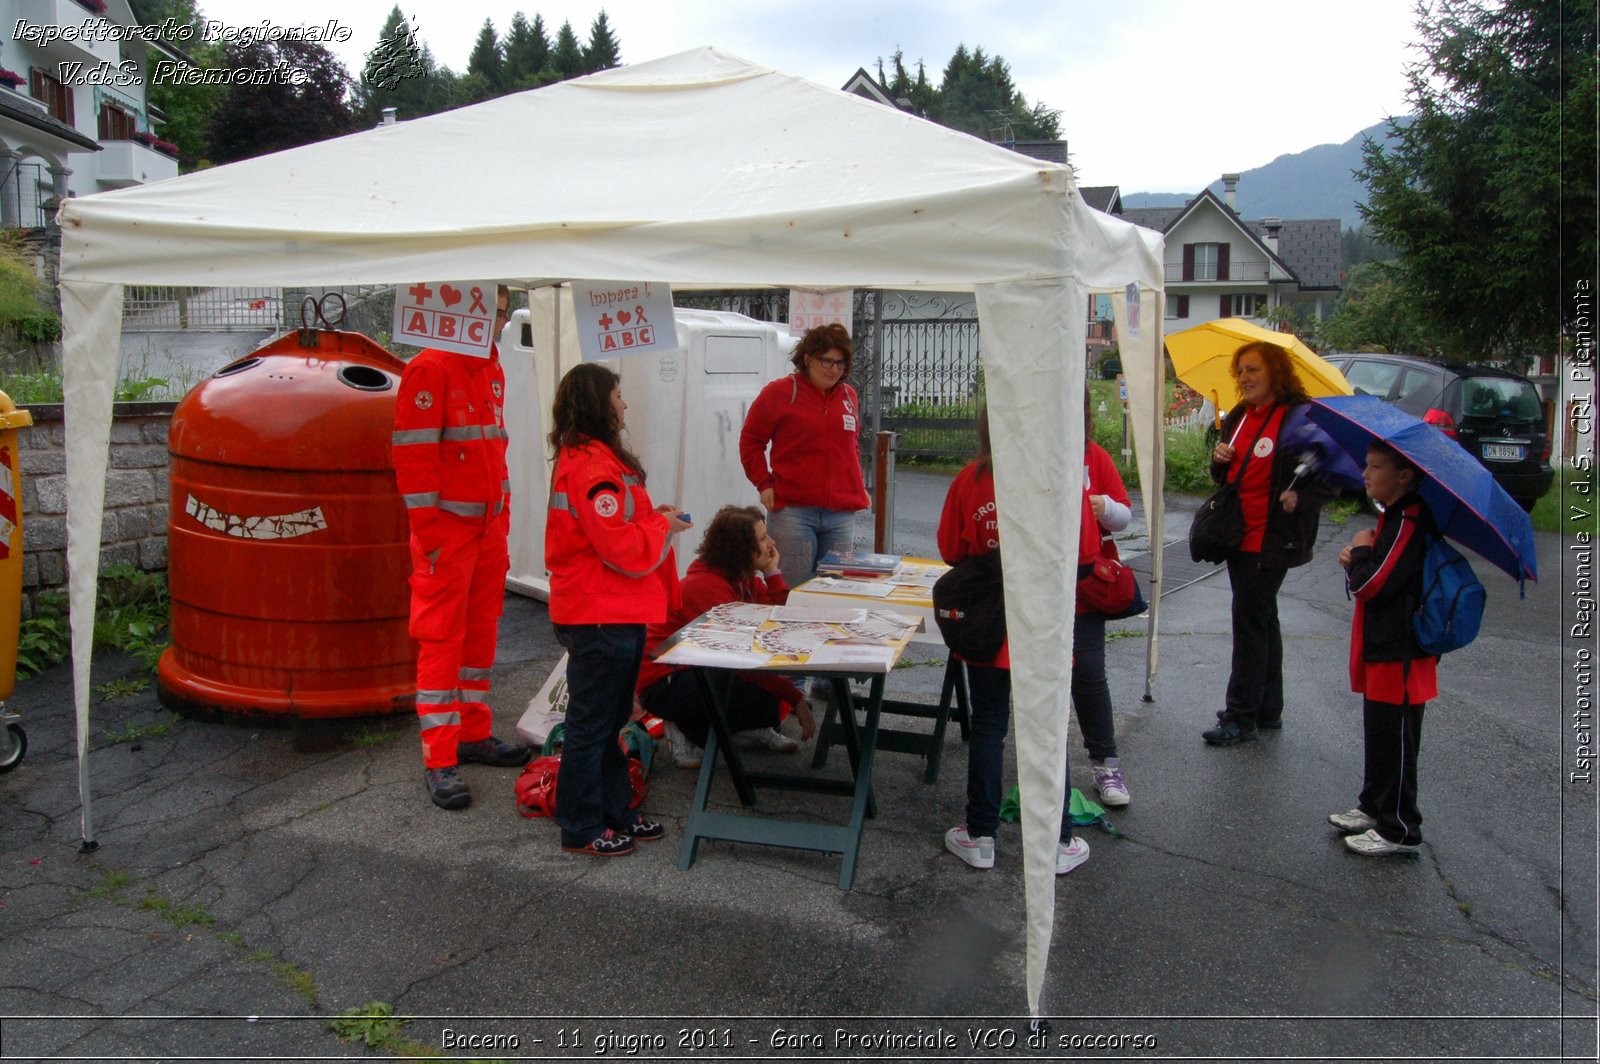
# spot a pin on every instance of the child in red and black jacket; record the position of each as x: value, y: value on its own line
x: 1383, y: 568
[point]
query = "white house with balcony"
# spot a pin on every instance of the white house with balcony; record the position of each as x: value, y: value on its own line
x: 74, y: 114
x: 1219, y: 265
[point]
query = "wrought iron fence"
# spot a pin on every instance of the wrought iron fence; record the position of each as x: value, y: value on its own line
x: 24, y: 187
x: 148, y: 308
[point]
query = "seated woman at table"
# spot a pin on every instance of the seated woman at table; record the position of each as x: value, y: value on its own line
x: 969, y: 526
x: 737, y: 561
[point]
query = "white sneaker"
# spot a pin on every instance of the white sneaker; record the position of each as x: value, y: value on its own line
x: 771, y: 738
x: 684, y: 753
x: 1371, y: 844
x: 1070, y: 855
x: 1352, y: 821
x: 1108, y: 781
x: 977, y: 852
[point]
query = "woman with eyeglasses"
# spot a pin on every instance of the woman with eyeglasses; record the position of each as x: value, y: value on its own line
x: 810, y: 482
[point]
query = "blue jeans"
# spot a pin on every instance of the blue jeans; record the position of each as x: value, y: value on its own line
x: 592, y: 787
x: 986, y: 751
x: 805, y: 534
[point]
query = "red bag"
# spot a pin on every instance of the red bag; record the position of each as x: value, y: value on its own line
x: 536, y: 787
x: 1106, y: 586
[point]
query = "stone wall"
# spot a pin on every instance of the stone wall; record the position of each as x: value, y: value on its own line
x: 134, y: 529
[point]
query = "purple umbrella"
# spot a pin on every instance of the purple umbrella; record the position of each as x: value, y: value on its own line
x: 1467, y: 504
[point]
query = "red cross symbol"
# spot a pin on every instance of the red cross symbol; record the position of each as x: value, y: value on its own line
x: 605, y: 321
x: 421, y: 293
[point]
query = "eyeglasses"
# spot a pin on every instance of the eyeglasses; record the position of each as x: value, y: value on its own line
x: 831, y: 363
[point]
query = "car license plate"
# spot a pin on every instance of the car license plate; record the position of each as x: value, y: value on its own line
x: 1503, y: 452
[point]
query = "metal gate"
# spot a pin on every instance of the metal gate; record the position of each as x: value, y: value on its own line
x: 916, y: 362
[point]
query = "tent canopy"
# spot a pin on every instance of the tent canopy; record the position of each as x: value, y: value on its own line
x: 699, y: 169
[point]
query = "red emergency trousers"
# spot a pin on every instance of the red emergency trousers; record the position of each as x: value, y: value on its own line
x: 449, y: 450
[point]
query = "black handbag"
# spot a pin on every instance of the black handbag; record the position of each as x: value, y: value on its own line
x: 969, y: 606
x: 1218, y: 526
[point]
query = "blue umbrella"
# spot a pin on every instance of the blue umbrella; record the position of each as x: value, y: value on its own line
x: 1467, y: 504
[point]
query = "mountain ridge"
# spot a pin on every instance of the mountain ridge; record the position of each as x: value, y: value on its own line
x: 1318, y: 182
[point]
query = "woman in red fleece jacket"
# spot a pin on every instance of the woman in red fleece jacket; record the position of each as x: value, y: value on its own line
x: 811, y: 486
x: 736, y: 562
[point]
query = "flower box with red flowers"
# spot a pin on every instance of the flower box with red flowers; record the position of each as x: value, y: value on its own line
x: 11, y: 79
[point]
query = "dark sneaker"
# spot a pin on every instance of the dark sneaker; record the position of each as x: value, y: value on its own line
x: 492, y: 751
x: 607, y: 844
x: 1228, y: 733
x: 646, y: 830
x: 1275, y: 724
x: 446, y: 787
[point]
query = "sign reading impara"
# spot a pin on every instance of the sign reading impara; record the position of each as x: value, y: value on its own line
x: 623, y: 318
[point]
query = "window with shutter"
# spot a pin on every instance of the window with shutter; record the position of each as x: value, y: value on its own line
x: 1188, y: 262
x: 1222, y: 261
x: 1225, y: 307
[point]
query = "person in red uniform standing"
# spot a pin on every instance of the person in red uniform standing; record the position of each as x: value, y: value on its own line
x: 449, y: 450
x: 1387, y: 668
x: 969, y: 526
x: 609, y: 552
x: 812, y: 485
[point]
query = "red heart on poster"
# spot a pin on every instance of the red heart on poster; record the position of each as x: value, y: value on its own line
x: 451, y: 296
x: 623, y: 317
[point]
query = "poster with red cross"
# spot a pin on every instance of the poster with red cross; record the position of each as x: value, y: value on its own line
x: 623, y: 318
x: 809, y: 308
x: 453, y: 316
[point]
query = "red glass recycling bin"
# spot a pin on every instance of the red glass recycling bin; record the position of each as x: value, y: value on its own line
x: 288, y: 553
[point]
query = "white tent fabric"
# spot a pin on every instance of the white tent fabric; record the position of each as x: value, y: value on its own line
x: 702, y: 169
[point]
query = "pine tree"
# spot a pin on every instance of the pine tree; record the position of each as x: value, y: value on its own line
x: 603, y: 52
x: 401, y: 73
x: 488, y: 62
x: 254, y: 120
x: 527, y: 50
x: 566, y: 58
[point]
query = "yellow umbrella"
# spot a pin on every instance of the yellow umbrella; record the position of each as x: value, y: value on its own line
x: 1202, y: 357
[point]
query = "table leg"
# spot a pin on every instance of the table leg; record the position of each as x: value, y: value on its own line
x: 819, y: 756
x: 697, y: 807
x: 953, y: 678
x: 852, y: 734
x: 860, y: 807
x: 715, y: 692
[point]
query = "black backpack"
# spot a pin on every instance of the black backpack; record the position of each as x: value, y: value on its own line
x: 969, y: 605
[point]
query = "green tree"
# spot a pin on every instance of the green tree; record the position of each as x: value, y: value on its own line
x: 254, y: 120
x: 188, y: 108
x: 1375, y: 312
x: 1487, y: 193
x: 400, y: 72
x: 527, y: 50
x: 603, y: 52
x: 566, y: 57
x: 487, y: 61
x: 975, y: 95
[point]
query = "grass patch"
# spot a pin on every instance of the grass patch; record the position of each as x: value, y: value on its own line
x: 123, y: 687
x: 111, y: 885
x: 375, y: 736
x: 134, y: 733
x: 1340, y: 510
x: 1579, y: 515
x: 1125, y: 633
x: 374, y: 1025
x: 178, y: 914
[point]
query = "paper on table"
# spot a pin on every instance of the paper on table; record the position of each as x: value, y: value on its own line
x: 851, y: 654
x: 859, y: 588
x: 689, y: 654
x: 820, y: 614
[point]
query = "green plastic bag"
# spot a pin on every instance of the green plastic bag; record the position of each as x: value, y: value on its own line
x: 1082, y: 812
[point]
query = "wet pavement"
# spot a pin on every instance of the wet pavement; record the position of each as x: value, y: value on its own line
x: 253, y: 883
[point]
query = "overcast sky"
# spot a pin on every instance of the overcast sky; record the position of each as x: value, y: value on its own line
x: 1155, y: 95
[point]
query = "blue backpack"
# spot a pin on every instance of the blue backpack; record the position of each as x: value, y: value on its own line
x: 1451, y: 608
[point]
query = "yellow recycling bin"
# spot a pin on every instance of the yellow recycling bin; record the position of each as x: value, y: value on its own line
x: 11, y: 419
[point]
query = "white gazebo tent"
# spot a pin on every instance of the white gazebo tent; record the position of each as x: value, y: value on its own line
x: 698, y: 169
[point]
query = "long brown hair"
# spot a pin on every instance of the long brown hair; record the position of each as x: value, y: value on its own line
x: 983, y: 457
x: 730, y: 545
x: 582, y: 412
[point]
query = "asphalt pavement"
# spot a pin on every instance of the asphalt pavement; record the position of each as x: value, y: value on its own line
x: 251, y: 884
